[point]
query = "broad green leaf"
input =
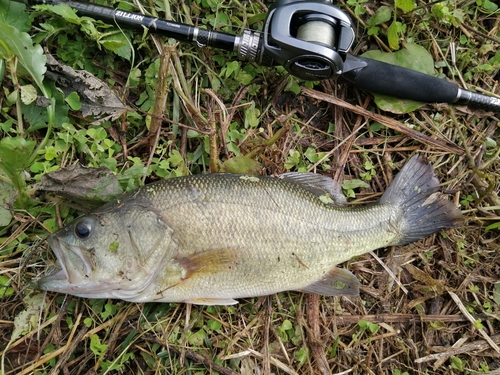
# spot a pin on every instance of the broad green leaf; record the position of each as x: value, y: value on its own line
x: 293, y: 86
x: 14, y: 14
x: 38, y: 117
x: 492, y: 226
x: 5, y: 288
x: 489, y: 6
x: 413, y: 57
x: 252, y: 117
x: 383, y: 14
x: 14, y: 156
x: 496, y: 293
x: 96, y: 346
x: 7, y: 196
x: 353, y: 184
x: 30, y: 57
x: 74, y: 101
x: 393, y: 34
x: 241, y: 165
x: 88, y: 27
x: 63, y: 10
x: 28, y: 94
x: 117, y: 43
x: 405, y: 5
x: 27, y: 319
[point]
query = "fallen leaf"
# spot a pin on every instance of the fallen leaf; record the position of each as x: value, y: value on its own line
x: 96, y: 98
x: 87, y: 187
x: 413, y: 57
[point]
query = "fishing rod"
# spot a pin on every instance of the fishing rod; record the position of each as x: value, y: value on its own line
x: 311, y: 39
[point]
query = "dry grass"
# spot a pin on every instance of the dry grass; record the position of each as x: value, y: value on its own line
x: 437, y: 313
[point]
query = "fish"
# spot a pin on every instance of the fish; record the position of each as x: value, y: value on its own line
x: 212, y: 239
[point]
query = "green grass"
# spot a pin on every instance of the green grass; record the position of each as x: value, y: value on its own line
x: 188, y: 111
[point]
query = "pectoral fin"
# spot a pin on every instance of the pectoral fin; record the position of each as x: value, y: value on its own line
x: 210, y: 261
x: 338, y: 281
x: 211, y: 301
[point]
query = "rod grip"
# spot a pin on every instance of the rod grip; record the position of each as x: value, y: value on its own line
x: 393, y: 80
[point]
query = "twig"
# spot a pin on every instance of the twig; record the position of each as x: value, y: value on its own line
x: 161, y: 93
x: 54, y: 354
x: 389, y: 122
x: 409, y: 318
x: 281, y: 132
x: 275, y: 362
x: 478, y: 345
x: 267, y: 363
x: 59, y: 317
x: 317, y: 348
x: 388, y: 270
x: 343, y: 159
x: 340, y: 164
x: 69, y: 349
x: 214, y: 152
x: 473, y: 321
x: 187, y: 328
x: 208, y: 363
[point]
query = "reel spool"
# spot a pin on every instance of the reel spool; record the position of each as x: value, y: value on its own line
x: 317, y: 28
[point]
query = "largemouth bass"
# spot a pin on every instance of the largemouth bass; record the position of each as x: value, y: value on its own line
x: 210, y: 239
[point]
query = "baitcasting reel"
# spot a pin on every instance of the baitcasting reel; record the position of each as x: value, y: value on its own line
x: 309, y: 38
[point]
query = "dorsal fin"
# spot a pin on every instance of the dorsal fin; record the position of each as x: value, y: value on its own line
x: 322, y: 186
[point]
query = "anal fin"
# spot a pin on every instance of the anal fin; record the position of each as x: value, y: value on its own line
x: 211, y: 301
x: 338, y: 281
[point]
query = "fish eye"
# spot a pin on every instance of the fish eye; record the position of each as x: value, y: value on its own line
x: 83, y: 229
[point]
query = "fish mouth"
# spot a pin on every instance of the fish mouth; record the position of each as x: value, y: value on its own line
x: 75, y: 266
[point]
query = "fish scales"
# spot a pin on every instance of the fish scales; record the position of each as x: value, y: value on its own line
x: 210, y: 239
x: 284, y: 236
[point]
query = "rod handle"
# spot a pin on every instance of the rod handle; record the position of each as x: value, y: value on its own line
x: 383, y: 78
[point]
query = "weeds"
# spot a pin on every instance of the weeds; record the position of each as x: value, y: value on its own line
x: 222, y: 114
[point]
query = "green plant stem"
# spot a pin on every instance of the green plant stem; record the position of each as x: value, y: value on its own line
x: 282, y: 131
x: 50, y: 125
x: 168, y: 12
x: 2, y: 70
x: 17, y: 87
x: 487, y: 163
x: 490, y: 180
x: 161, y: 92
x: 182, y: 88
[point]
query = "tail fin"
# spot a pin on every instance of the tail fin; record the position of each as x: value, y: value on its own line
x: 425, y: 210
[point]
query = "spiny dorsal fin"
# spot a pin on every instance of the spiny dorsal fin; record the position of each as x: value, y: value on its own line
x: 338, y: 281
x: 320, y: 185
